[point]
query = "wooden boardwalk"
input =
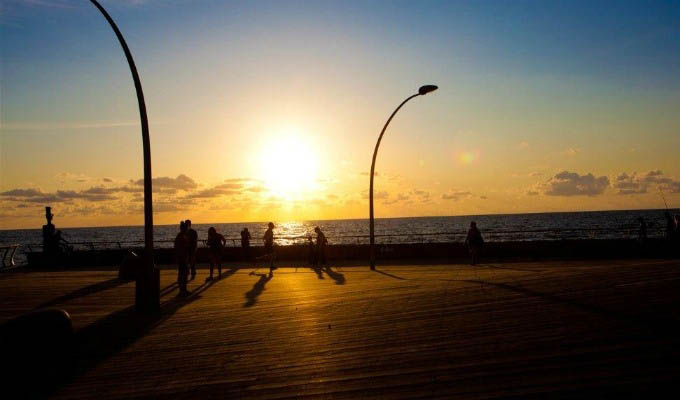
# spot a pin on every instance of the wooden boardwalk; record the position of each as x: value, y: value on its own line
x: 559, y: 329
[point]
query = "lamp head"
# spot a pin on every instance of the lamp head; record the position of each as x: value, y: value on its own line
x: 427, y: 89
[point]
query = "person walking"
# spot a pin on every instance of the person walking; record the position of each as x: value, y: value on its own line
x: 268, y: 240
x: 193, y: 247
x: 181, y: 246
x: 321, y: 243
x: 215, y: 244
x: 474, y: 242
x: 245, y: 243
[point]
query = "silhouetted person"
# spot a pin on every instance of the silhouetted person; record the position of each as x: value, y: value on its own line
x: 268, y: 240
x: 474, y: 242
x: 215, y: 244
x: 312, y: 250
x: 245, y: 243
x: 182, y: 257
x: 193, y: 247
x: 62, y: 244
x: 670, y: 227
x: 676, y: 218
x: 50, y: 245
x: 321, y: 243
x: 642, y: 230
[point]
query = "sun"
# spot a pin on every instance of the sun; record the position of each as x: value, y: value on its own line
x: 289, y: 166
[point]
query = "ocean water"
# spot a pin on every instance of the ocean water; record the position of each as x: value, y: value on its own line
x: 506, y: 227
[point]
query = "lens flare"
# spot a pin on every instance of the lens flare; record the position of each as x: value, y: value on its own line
x: 466, y: 157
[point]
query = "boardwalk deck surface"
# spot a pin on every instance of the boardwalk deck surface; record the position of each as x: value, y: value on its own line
x: 564, y: 329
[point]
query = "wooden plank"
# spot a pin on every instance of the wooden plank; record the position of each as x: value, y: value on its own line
x: 527, y: 329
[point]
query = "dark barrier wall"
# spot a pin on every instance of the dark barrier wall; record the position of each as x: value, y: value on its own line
x: 447, y: 252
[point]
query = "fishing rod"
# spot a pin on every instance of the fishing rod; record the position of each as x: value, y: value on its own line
x: 664, y: 198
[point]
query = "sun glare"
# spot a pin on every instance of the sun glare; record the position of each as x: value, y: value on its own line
x: 289, y: 166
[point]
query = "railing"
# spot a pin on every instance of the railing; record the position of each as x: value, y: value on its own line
x: 391, y: 238
x: 8, y: 252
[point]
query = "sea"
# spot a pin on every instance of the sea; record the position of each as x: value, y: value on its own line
x: 497, y: 227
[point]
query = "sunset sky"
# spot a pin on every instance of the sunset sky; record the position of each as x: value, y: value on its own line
x: 269, y: 110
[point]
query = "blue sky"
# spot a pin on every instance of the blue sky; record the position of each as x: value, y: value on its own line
x: 587, y: 87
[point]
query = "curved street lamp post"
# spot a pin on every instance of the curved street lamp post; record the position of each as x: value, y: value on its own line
x: 422, y: 91
x: 147, y: 295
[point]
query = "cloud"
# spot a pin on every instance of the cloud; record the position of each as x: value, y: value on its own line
x: 182, y: 182
x: 423, y: 195
x: 640, y: 183
x: 572, y: 151
x: 523, y: 144
x: 568, y: 183
x: 535, y: 174
x: 532, y: 193
x: 455, y: 195
x: 96, y: 195
x: 23, y: 193
x: 232, y: 187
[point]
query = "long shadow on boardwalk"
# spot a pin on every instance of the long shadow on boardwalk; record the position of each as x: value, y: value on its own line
x: 336, y: 276
x: 661, y: 326
x: 258, y: 288
x: 390, y: 275
x: 85, y: 291
x: 115, y: 332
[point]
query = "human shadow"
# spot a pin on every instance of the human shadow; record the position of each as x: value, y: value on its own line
x: 168, y: 289
x: 85, y: 291
x: 508, y: 268
x: 317, y: 271
x: 390, y: 275
x: 336, y: 276
x: 258, y: 288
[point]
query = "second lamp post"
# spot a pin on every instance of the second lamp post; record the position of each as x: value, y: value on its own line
x: 422, y: 91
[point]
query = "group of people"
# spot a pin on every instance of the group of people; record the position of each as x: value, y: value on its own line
x: 186, y: 248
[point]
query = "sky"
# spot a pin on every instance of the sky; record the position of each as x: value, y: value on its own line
x: 270, y: 110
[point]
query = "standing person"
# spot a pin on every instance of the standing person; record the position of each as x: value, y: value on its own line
x: 642, y: 230
x: 321, y: 243
x: 670, y: 226
x: 268, y: 240
x: 193, y: 247
x: 245, y: 243
x: 182, y: 257
x: 215, y: 244
x: 474, y: 242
